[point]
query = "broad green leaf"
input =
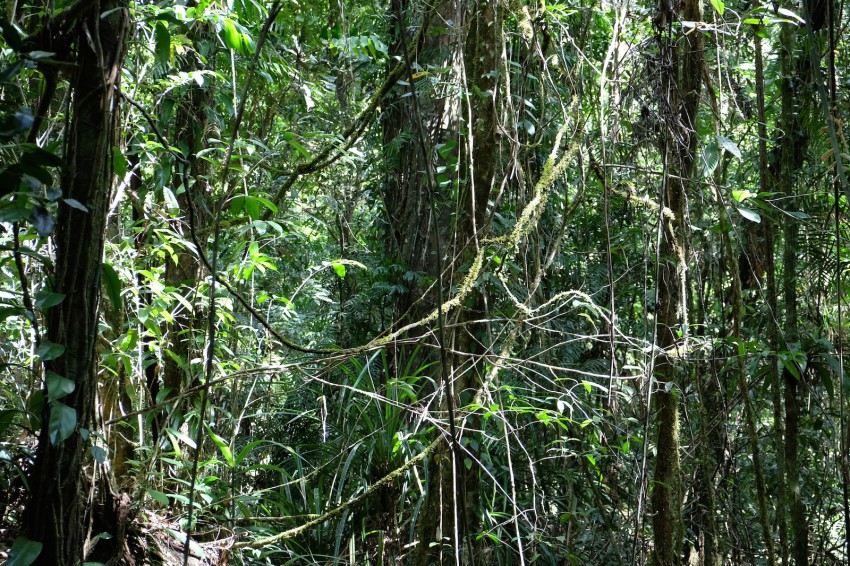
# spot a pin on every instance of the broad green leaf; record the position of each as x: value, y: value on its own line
x: 74, y: 203
x: 112, y: 285
x: 45, y: 299
x: 741, y: 196
x: 291, y: 140
x: 729, y: 146
x: 339, y: 268
x: 58, y: 386
x: 252, y: 207
x: 710, y: 159
x: 23, y: 118
x: 750, y: 214
x: 119, y: 163
x: 201, y: 7
x: 63, y: 421
x: 46, y: 56
x: 35, y: 404
x: 267, y: 203
x: 719, y: 6
x: 162, y: 39
x: 14, y: 213
x: 99, y: 454
x: 826, y: 378
x: 24, y: 552
x: 7, y: 73
x: 37, y: 156
x: 49, y: 351
x: 170, y: 200
x: 158, y: 496
x: 237, y: 204
x: 791, y: 366
x: 445, y: 149
x: 230, y: 35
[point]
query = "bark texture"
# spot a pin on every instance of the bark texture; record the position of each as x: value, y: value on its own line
x: 56, y: 510
x: 680, y: 85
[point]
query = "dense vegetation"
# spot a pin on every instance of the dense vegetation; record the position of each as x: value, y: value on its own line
x: 423, y: 282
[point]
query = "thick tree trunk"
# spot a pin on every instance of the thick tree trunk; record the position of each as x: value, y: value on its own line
x: 681, y: 83
x: 480, y: 163
x: 414, y: 209
x: 409, y: 233
x: 56, y: 510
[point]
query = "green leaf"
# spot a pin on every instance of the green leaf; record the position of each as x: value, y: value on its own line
x: 74, y: 203
x: 741, y: 196
x: 729, y: 146
x: 791, y: 366
x: 63, y: 421
x: 267, y: 203
x: 339, y: 268
x: 35, y: 404
x: 42, y: 56
x: 162, y: 39
x: 37, y: 156
x: 291, y: 140
x: 247, y: 450
x: 45, y: 299
x: 201, y: 7
x: 99, y: 454
x: 252, y: 207
x: 49, y: 351
x: 14, y: 213
x: 7, y: 73
x: 182, y: 436
x: 24, y: 552
x: 158, y: 496
x: 222, y: 446
x: 791, y: 15
x: 710, y: 159
x: 58, y: 386
x: 828, y: 384
x: 112, y: 285
x: 719, y: 6
x: 119, y: 163
x: 230, y: 35
x: 750, y: 214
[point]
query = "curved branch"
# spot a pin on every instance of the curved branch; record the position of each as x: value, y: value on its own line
x: 259, y: 543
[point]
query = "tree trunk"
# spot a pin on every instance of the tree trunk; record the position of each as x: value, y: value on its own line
x: 678, y: 147
x: 789, y: 161
x: 414, y: 122
x: 56, y: 510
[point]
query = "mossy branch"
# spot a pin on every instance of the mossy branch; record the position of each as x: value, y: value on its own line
x: 552, y: 169
x: 340, y: 509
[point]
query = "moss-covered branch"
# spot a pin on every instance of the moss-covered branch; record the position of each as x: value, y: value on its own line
x: 259, y: 543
